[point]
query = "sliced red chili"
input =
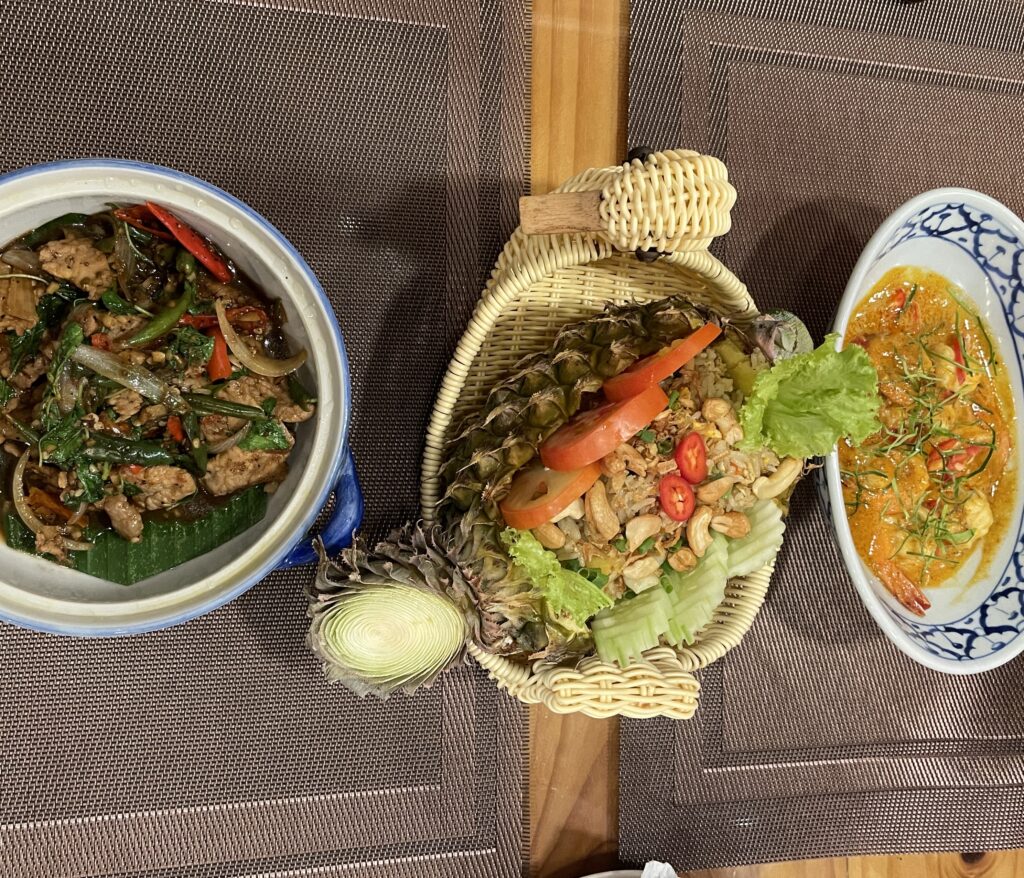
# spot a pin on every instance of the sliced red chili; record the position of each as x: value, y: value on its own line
x: 247, y: 317
x: 692, y: 458
x: 958, y: 356
x: 139, y: 216
x: 100, y: 340
x: 195, y: 243
x: 676, y: 496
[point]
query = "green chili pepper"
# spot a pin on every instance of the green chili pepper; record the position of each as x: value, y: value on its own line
x: 211, y: 405
x: 52, y: 230
x: 165, y: 321
x: 115, y: 450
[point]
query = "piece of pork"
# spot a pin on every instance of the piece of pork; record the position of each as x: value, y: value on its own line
x: 160, y: 487
x: 126, y: 519
x: 253, y: 389
x: 79, y: 261
x: 235, y: 469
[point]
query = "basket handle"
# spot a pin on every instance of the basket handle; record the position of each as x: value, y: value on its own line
x: 662, y: 202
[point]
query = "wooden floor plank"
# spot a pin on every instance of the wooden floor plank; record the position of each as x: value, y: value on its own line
x: 579, y: 121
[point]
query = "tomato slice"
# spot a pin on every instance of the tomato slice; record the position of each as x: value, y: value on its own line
x: 591, y: 435
x: 692, y: 458
x: 538, y: 494
x: 657, y: 367
x: 676, y: 496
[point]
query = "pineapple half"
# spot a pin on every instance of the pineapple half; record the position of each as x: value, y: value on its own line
x: 461, y: 565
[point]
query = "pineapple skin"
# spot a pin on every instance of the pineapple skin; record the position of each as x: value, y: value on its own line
x: 491, y: 446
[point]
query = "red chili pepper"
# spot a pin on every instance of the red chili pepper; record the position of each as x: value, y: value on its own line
x: 139, y: 216
x: 175, y: 429
x: 135, y: 469
x: 691, y: 457
x: 195, y: 243
x: 899, y: 298
x: 100, y: 340
x: 940, y: 459
x: 234, y: 315
x: 958, y: 356
x: 219, y: 366
x: 676, y: 496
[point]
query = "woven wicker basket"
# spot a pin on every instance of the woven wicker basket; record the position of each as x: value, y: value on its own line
x: 672, y: 203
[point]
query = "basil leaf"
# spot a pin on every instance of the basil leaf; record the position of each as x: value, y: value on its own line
x: 266, y: 434
x: 192, y: 346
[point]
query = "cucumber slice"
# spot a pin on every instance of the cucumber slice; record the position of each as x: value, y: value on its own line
x: 694, y: 595
x: 623, y: 632
x: 757, y: 548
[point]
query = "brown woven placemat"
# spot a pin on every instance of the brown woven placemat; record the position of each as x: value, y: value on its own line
x: 387, y: 140
x: 815, y: 737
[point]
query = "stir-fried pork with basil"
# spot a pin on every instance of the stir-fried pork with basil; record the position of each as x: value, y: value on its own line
x: 143, y: 378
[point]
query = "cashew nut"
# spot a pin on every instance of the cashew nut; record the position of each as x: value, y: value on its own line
x: 767, y: 487
x: 549, y: 535
x: 623, y: 458
x: 599, y: 514
x: 720, y: 412
x: 571, y: 529
x: 573, y: 510
x: 732, y: 524
x: 715, y: 409
x: 643, y: 573
x: 682, y: 560
x: 711, y: 492
x: 640, y: 528
x: 633, y: 459
x: 698, y: 534
x: 612, y: 464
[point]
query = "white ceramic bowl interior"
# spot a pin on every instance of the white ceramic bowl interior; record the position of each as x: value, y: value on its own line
x: 39, y: 594
x: 977, y: 622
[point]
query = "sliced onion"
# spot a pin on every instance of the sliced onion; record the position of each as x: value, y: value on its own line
x: 25, y: 513
x: 77, y: 545
x: 24, y: 510
x: 67, y: 392
x: 258, y: 363
x: 31, y: 277
x: 111, y: 366
x: 22, y: 258
x: 232, y: 440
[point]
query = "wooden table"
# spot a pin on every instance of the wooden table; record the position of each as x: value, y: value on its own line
x: 580, y: 69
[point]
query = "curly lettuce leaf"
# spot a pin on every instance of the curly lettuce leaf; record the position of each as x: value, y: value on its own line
x: 802, y: 406
x: 570, y: 597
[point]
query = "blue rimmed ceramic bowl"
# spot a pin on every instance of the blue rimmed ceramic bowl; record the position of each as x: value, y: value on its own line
x: 39, y: 594
x: 977, y: 243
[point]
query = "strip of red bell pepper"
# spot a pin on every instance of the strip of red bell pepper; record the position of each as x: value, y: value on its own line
x: 174, y: 429
x: 195, y: 243
x: 219, y: 366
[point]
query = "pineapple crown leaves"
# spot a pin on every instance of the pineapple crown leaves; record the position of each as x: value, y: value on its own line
x: 547, y: 389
